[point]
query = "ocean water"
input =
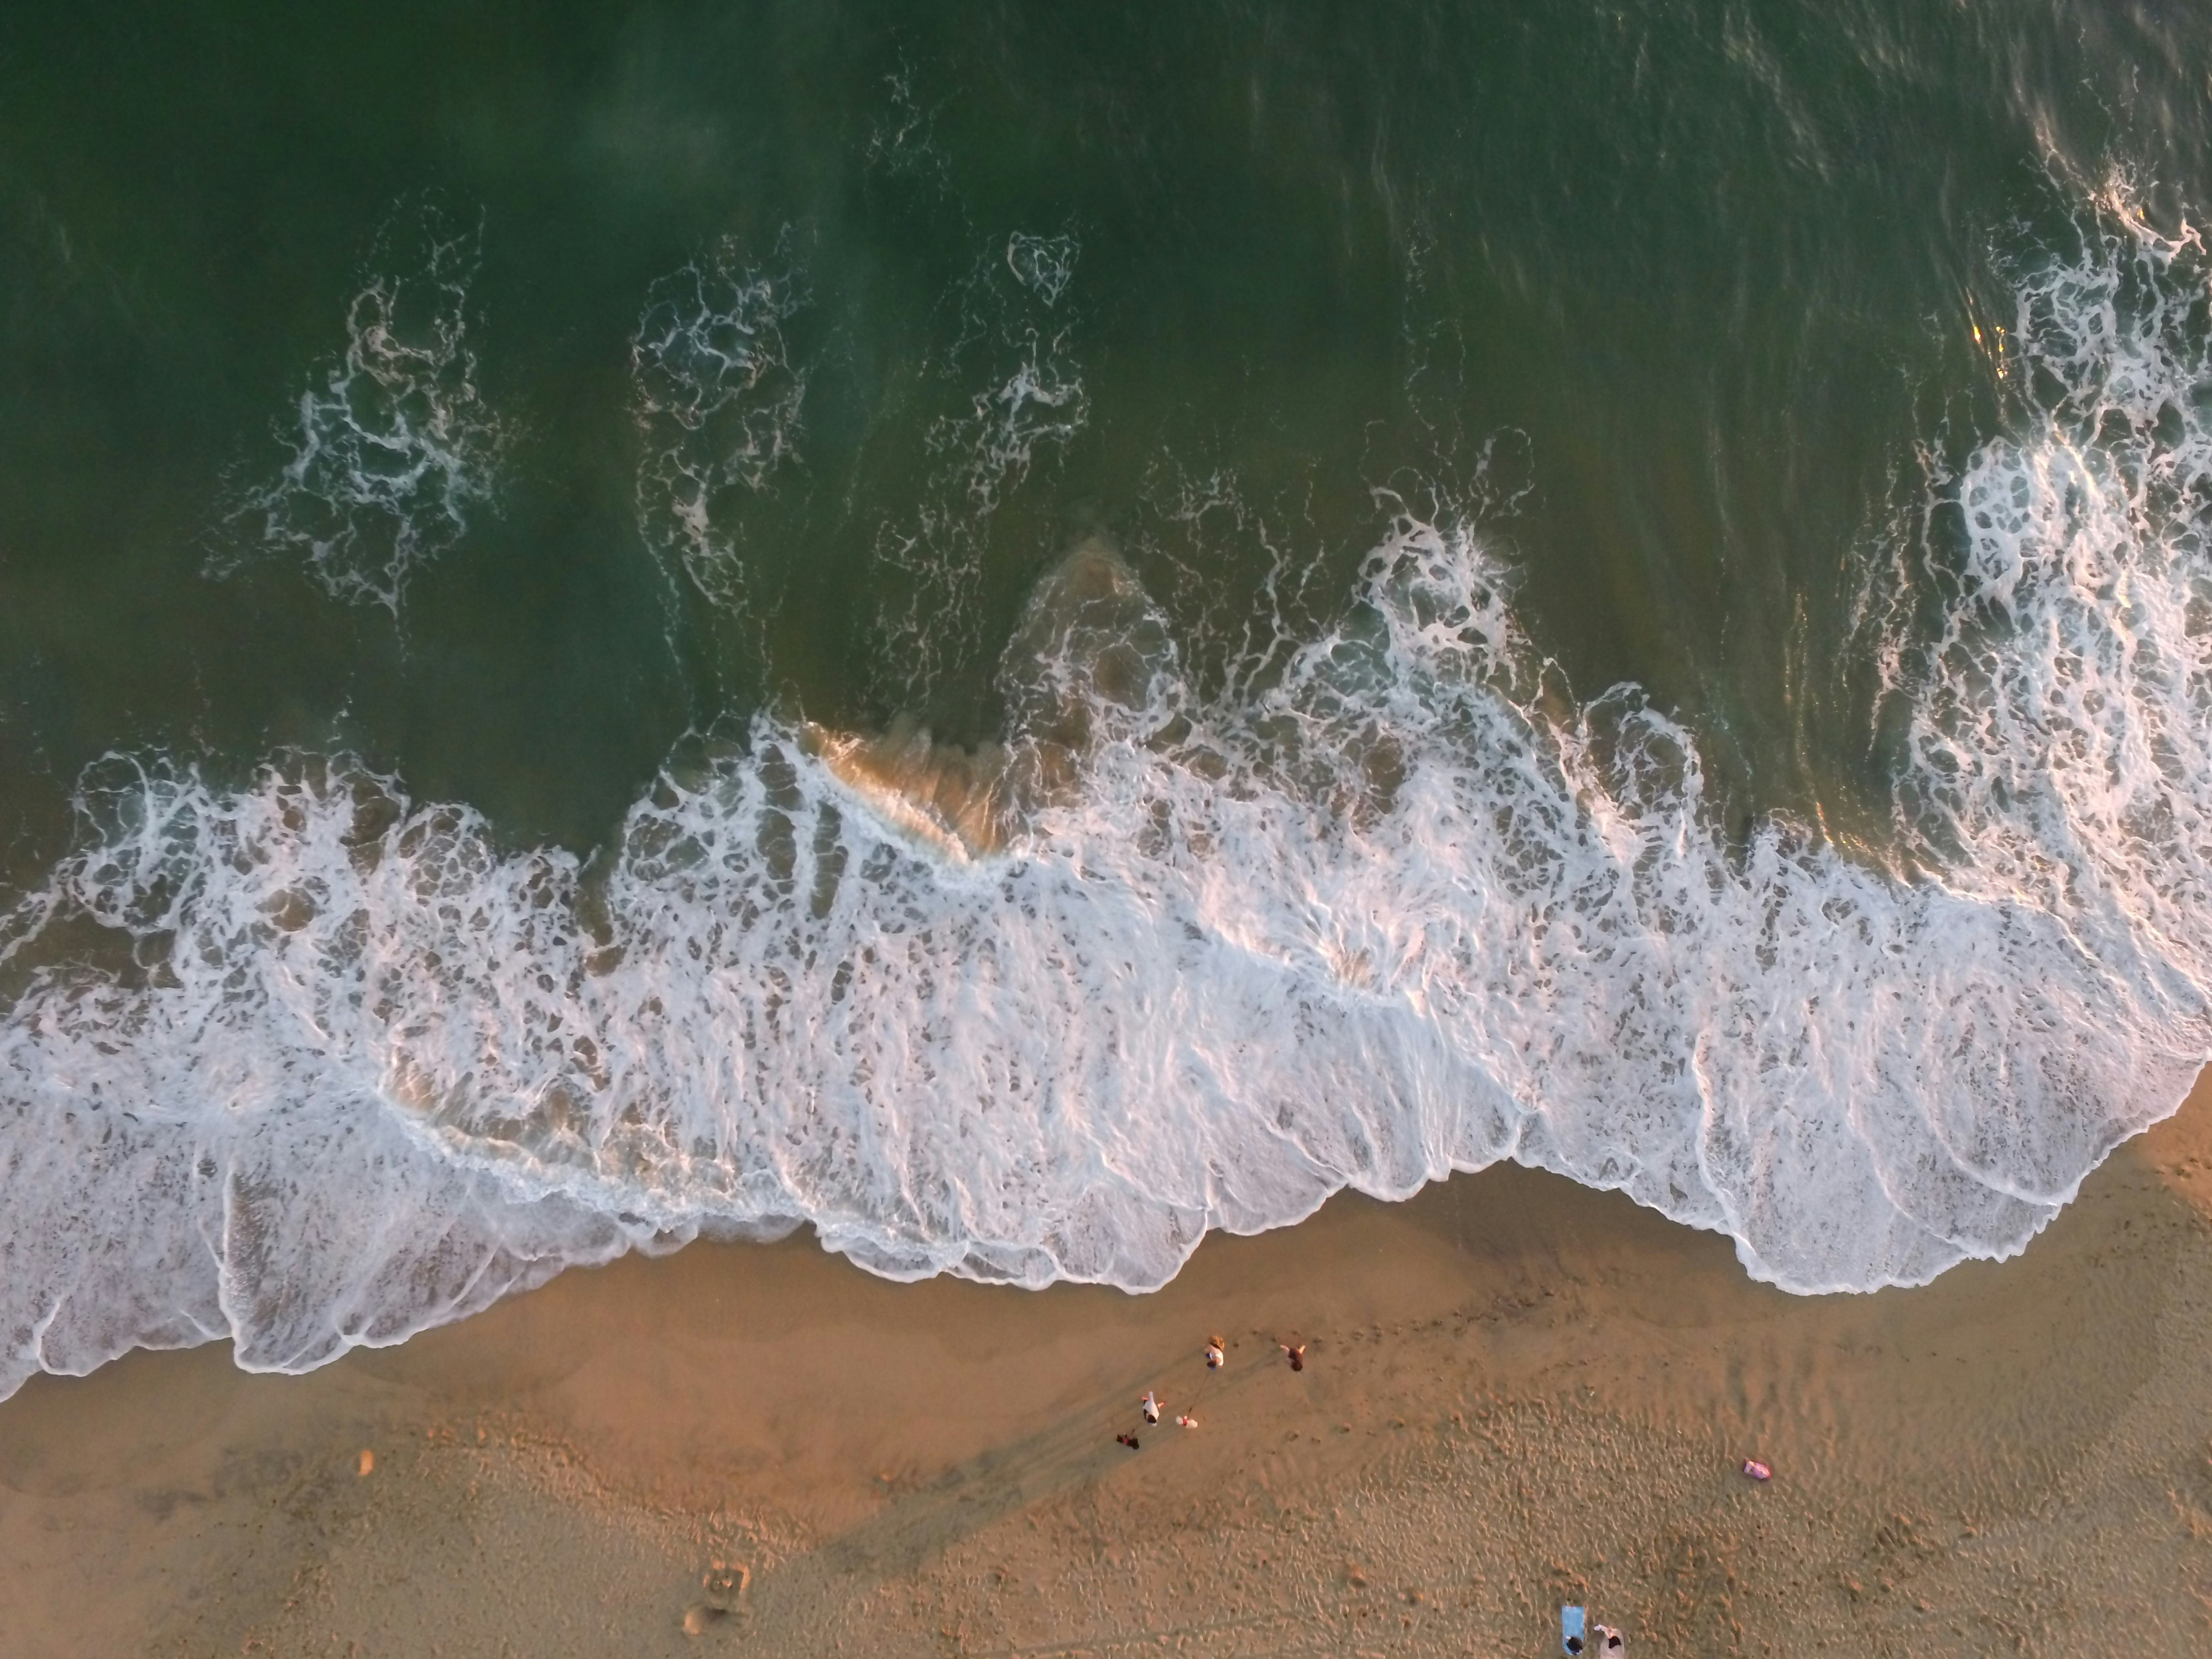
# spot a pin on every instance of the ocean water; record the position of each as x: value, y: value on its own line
x: 1015, y: 635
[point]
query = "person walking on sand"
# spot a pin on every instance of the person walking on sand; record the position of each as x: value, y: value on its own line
x: 1151, y: 1407
x: 1216, y: 1356
x: 1297, y: 1356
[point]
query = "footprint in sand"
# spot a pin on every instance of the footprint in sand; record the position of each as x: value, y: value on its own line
x: 726, y: 1579
x: 724, y: 1582
x: 702, y: 1616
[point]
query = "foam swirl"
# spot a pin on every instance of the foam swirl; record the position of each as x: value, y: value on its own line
x: 396, y: 447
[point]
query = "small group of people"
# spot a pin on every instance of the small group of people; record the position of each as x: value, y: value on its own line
x: 1217, y: 1356
x: 1599, y: 1639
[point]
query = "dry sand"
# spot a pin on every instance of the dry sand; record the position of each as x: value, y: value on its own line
x: 1517, y: 1392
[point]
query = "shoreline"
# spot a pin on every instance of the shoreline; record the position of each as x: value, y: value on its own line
x: 1518, y: 1392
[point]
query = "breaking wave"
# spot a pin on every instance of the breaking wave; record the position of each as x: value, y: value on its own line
x: 309, y: 1064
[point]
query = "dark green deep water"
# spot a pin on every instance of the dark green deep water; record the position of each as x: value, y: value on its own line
x: 1702, y: 274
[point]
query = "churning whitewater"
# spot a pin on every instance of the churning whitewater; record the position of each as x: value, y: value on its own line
x: 309, y: 1065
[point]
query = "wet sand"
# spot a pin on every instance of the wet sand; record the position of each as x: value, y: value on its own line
x: 1517, y: 1392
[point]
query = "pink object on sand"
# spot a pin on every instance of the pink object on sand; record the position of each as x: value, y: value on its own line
x: 1757, y: 1470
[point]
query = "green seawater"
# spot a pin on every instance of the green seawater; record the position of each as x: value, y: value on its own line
x: 1677, y: 296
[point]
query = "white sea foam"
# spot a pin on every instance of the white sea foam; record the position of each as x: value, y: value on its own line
x: 903, y: 142
x: 1022, y: 387
x: 1043, y: 264
x: 1375, y: 917
x: 718, y: 401
x: 394, y: 446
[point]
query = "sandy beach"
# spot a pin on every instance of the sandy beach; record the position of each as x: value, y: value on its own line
x: 1517, y: 1392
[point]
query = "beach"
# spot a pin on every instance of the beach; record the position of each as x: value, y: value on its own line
x: 1517, y: 1392
x: 749, y: 753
